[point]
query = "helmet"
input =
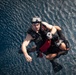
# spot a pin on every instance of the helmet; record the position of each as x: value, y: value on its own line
x: 36, y: 20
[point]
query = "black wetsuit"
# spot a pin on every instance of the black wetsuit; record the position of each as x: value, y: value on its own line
x: 55, y: 49
x: 41, y: 37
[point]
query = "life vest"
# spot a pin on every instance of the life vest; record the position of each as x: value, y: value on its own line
x: 40, y: 40
x: 37, y: 37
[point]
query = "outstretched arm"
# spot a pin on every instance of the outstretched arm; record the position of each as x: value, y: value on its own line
x: 24, y: 49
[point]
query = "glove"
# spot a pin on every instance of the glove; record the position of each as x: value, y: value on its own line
x: 49, y: 35
x: 55, y: 37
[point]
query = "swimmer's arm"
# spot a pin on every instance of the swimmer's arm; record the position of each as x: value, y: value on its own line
x: 52, y: 28
x: 25, y: 44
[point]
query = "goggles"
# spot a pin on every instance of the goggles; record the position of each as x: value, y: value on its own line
x: 36, y: 20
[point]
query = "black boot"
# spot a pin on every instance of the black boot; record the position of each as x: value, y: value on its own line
x: 56, y: 66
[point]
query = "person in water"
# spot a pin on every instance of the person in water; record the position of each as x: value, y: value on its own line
x: 59, y: 44
x: 48, y: 39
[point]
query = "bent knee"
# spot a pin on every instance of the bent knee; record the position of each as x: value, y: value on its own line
x: 63, y: 47
x: 51, y: 56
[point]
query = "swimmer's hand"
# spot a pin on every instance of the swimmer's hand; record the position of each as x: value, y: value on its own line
x: 28, y: 58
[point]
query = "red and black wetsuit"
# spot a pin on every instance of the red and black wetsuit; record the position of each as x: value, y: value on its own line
x: 40, y: 39
x: 43, y: 44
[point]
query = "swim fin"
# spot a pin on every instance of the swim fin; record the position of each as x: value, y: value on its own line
x: 56, y: 66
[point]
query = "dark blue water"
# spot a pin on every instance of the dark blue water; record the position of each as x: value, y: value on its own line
x: 15, y: 19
